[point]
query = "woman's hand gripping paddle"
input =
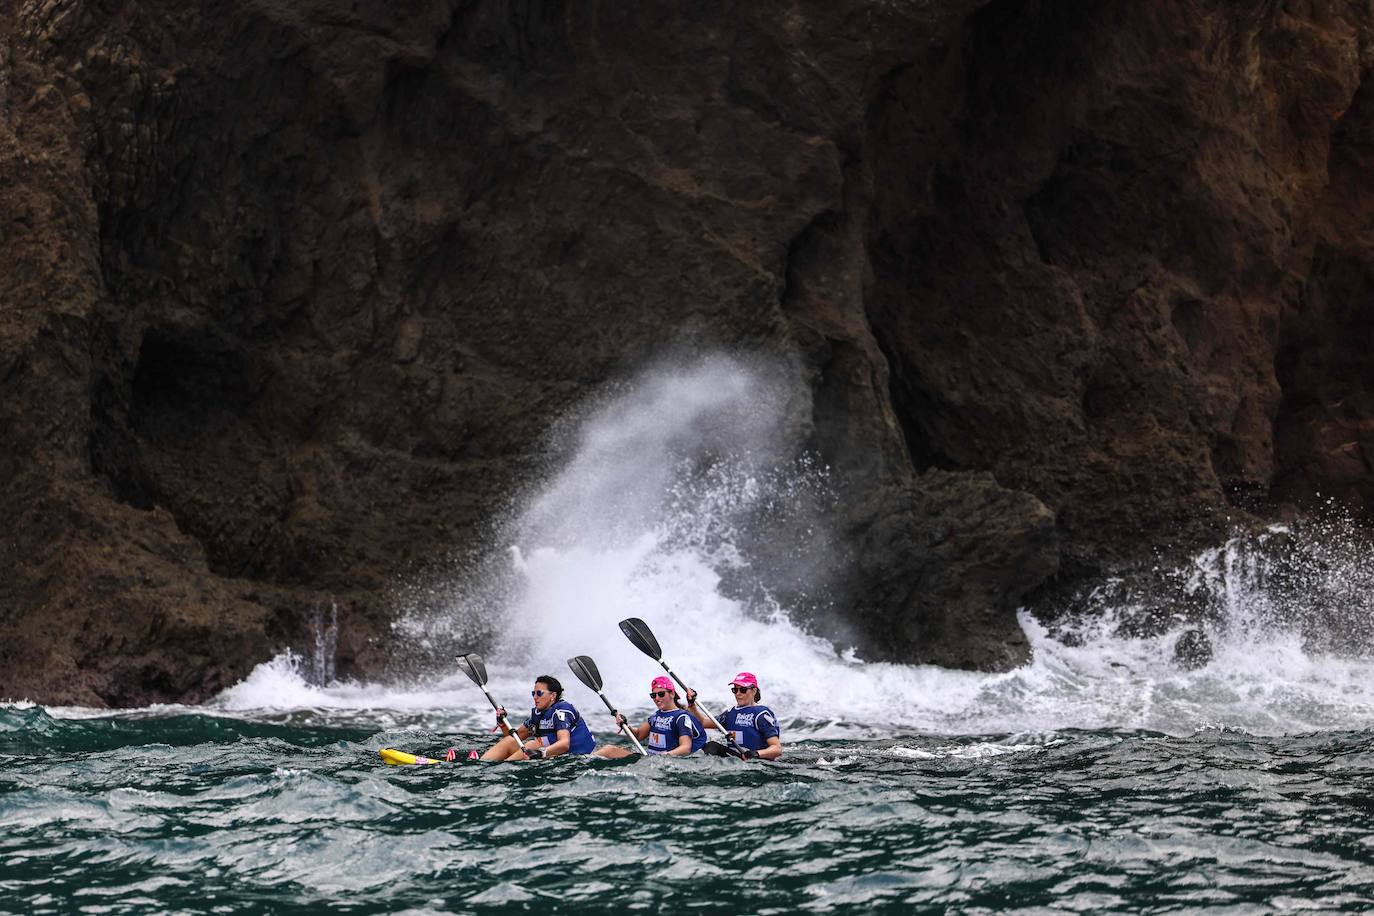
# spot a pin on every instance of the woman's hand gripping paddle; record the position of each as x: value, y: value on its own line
x: 472, y: 665
x: 585, y: 669
x: 638, y: 632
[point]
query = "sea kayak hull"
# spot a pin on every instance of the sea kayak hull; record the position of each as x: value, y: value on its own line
x: 392, y: 757
x: 395, y: 758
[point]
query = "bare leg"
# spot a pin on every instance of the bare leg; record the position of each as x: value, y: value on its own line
x: 503, y: 749
x: 612, y: 752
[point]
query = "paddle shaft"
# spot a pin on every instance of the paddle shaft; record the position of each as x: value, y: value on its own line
x: 729, y: 736
x: 504, y: 721
x: 638, y: 633
x: 615, y: 713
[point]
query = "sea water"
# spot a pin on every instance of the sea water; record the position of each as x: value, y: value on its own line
x: 1103, y: 775
x: 1231, y: 805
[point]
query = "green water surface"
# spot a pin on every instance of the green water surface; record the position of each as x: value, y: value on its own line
x: 292, y: 814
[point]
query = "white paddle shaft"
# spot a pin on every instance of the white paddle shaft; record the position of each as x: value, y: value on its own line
x: 729, y: 736
x: 628, y: 733
x: 502, y: 719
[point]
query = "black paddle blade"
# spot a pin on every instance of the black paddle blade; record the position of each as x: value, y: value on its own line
x: 472, y: 665
x: 585, y: 669
x: 638, y: 632
x: 715, y: 749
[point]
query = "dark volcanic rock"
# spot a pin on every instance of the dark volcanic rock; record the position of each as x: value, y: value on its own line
x: 1193, y: 650
x: 291, y: 291
x: 941, y: 565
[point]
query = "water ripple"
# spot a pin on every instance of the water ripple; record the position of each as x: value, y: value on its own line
x: 198, y: 814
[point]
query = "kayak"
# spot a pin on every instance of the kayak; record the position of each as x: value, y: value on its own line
x: 395, y: 758
x: 392, y: 757
x: 714, y: 748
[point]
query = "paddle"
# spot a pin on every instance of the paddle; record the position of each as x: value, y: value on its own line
x: 585, y: 669
x: 472, y: 665
x: 638, y: 632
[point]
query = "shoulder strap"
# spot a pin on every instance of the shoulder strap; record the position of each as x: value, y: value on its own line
x: 577, y: 716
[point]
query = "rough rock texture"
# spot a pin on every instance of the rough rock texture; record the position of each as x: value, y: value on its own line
x: 290, y: 291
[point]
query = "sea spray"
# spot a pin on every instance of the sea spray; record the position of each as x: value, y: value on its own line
x: 324, y: 627
x: 1310, y: 582
x: 632, y: 449
x: 1100, y: 671
x: 668, y: 490
x: 653, y: 509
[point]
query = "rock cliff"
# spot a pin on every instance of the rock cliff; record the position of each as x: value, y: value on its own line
x: 291, y: 291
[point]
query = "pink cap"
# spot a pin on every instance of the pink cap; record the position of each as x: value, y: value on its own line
x: 662, y: 683
x: 745, y: 679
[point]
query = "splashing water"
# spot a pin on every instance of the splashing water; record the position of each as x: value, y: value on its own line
x: 320, y: 667
x: 658, y: 504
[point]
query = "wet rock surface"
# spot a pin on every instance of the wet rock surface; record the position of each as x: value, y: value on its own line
x: 292, y: 292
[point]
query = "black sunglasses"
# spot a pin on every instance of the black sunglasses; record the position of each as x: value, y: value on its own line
x: 655, y: 694
x: 539, y: 693
x: 735, y: 688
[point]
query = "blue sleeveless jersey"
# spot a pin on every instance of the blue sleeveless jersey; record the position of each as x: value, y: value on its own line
x: 667, y: 728
x: 752, y: 726
x: 545, y: 725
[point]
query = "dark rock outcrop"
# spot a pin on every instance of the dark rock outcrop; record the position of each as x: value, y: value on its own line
x: 1193, y: 650
x: 291, y: 291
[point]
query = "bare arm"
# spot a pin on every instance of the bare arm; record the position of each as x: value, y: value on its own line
x: 697, y: 713
x: 773, y: 751
x: 640, y: 731
x: 561, y: 745
x: 520, y: 732
x: 684, y: 747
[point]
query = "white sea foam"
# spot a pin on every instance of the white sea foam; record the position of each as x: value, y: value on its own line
x: 649, y: 511
x: 283, y: 683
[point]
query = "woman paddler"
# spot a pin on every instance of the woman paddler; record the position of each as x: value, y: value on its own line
x: 671, y: 730
x: 754, y: 727
x: 554, y: 727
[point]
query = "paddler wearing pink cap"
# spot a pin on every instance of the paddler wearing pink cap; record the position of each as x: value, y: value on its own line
x: 671, y: 730
x: 753, y: 726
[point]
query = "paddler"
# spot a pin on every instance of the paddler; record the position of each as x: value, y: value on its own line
x: 671, y: 730
x: 553, y: 728
x: 753, y: 726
